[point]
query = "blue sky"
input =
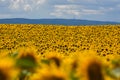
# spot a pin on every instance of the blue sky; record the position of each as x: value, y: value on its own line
x: 102, y: 10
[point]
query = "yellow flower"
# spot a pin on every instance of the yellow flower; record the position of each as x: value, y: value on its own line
x: 93, y: 70
x: 90, y: 66
x: 25, y: 51
x: 47, y: 74
x: 27, y: 58
x: 7, y: 69
x: 55, y: 58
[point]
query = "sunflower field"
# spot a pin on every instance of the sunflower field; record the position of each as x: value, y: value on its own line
x: 58, y: 52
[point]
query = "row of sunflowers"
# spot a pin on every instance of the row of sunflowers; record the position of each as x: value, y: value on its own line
x: 25, y: 64
x: 58, y: 52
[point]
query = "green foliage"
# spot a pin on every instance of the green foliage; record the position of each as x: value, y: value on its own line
x: 25, y: 63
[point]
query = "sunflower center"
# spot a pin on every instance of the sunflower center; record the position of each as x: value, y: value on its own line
x: 95, y: 72
x: 2, y: 75
x: 54, y: 78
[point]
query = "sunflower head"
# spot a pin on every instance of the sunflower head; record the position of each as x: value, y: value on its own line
x: 55, y: 58
x: 7, y: 69
x: 94, y: 71
x: 46, y: 74
x: 27, y: 58
x: 91, y: 66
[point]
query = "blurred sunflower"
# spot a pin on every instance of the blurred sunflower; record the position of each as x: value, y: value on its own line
x: 54, y: 58
x: 93, y: 70
x: 27, y: 58
x: 49, y: 74
x: 91, y: 67
x: 7, y: 69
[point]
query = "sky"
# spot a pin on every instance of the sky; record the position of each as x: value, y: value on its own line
x: 101, y: 10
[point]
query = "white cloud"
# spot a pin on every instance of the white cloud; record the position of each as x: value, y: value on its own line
x: 60, y: 10
x: 67, y: 6
x: 40, y: 2
x: 75, y: 10
x: 82, y: 1
x: 26, y: 5
x: 15, y: 4
x: 90, y: 11
x: 57, y: 14
x: 106, y: 9
x: 95, y: 3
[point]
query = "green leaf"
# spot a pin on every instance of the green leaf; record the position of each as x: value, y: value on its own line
x: 25, y: 63
x: 14, y: 54
x: 45, y: 61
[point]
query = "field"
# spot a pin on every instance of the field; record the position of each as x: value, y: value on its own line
x: 57, y: 52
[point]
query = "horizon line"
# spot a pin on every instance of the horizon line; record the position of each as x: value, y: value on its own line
x: 59, y: 19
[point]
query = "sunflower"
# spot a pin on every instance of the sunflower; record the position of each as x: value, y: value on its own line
x: 47, y: 74
x: 93, y: 70
x: 91, y: 67
x: 7, y: 69
x: 27, y: 58
x: 54, y: 58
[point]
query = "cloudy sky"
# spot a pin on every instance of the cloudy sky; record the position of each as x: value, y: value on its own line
x: 103, y: 10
